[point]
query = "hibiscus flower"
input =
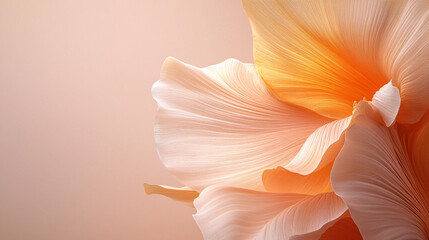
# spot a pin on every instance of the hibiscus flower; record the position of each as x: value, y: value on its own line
x: 257, y: 143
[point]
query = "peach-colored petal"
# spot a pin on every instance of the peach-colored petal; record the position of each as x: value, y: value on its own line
x: 324, y: 55
x: 345, y: 228
x: 309, y: 171
x: 312, y: 154
x: 405, y: 57
x: 183, y: 195
x: 375, y: 176
x: 419, y: 149
x: 280, y: 180
x: 338, y: 229
x: 222, y: 125
x: 232, y: 213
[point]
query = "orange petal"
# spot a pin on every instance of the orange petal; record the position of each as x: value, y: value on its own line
x: 280, y: 180
x: 345, y: 228
x: 222, y: 125
x: 376, y: 178
x: 341, y: 228
x: 232, y: 213
x: 324, y: 55
x: 183, y: 195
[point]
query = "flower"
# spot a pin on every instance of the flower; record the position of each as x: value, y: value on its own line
x: 286, y: 118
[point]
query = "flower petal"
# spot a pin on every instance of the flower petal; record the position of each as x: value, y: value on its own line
x: 280, y: 180
x: 405, y: 56
x: 341, y: 228
x: 183, y: 195
x: 222, y: 125
x: 387, y: 102
x: 375, y: 177
x: 345, y: 228
x: 324, y: 55
x: 419, y: 148
x: 313, y: 154
x: 232, y: 213
x: 309, y: 172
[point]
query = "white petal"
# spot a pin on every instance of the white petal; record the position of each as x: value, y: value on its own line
x: 231, y: 213
x: 222, y: 125
x: 387, y: 102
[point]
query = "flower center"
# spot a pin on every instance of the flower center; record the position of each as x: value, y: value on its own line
x: 355, y: 103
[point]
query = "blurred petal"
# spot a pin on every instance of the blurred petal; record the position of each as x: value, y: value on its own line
x: 324, y: 55
x: 387, y: 102
x: 375, y: 177
x: 232, y: 213
x: 222, y: 125
x: 183, y: 195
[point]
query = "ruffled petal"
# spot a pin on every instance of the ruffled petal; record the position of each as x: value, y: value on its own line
x: 309, y: 171
x: 182, y: 195
x: 375, y: 176
x: 314, y: 153
x: 280, y: 180
x: 222, y: 125
x: 324, y: 55
x: 341, y: 228
x: 405, y: 57
x: 232, y: 213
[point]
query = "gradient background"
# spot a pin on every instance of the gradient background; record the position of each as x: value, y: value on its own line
x: 76, y: 112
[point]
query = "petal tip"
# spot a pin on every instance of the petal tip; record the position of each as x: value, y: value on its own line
x: 169, y: 60
x: 169, y: 64
x: 148, y: 188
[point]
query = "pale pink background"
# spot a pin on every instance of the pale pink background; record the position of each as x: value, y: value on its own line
x: 76, y: 112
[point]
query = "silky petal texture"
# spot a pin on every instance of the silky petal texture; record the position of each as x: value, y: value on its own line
x: 406, y: 59
x: 311, y: 155
x: 182, y: 195
x: 375, y: 176
x: 233, y: 213
x: 280, y: 180
x: 222, y: 125
x: 419, y: 150
x: 341, y: 228
x: 324, y: 55
x: 387, y: 101
x: 309, y: 172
